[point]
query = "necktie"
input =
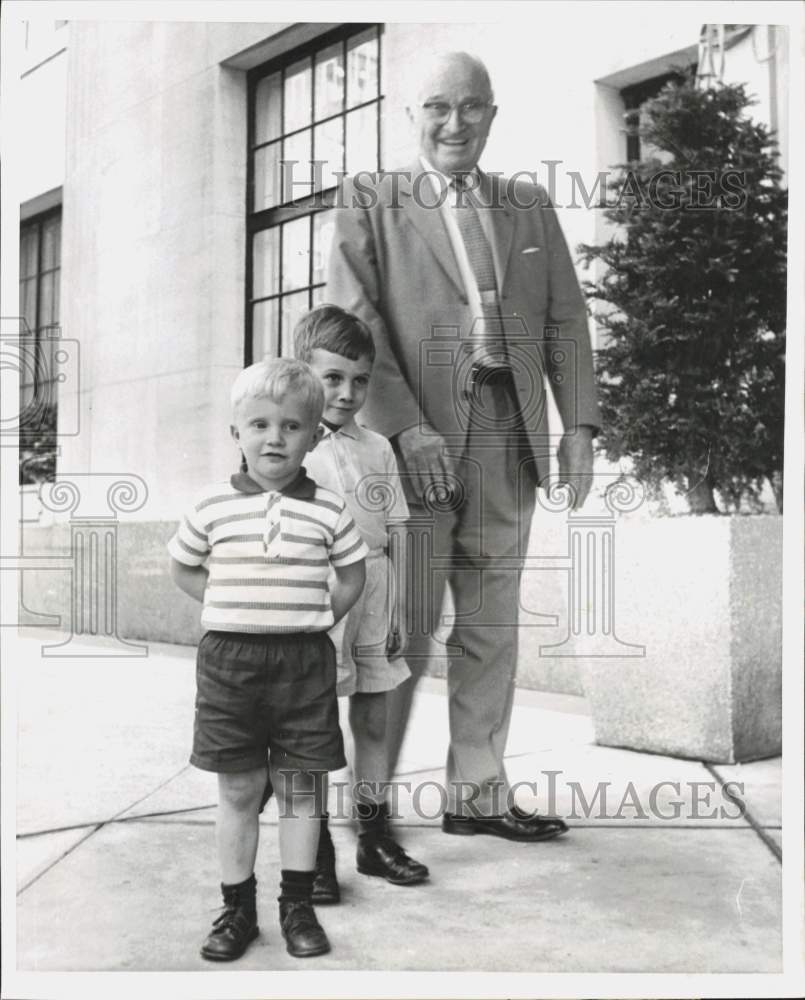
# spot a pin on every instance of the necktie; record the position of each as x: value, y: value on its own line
x: 272, y: 538
x: 488, y: 334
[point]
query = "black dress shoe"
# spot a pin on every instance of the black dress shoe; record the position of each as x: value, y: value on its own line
x: 304, y: 935
x: 513, y: 825
x: 381, y: 855
x: 231, y: 934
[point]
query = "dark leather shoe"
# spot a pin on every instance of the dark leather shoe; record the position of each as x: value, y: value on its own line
x: 304, y: 935
x: 231, y: 934
x: 383, y: 856
x: 513, y: 825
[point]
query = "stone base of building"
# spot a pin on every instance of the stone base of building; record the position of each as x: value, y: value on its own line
x: 696, y: 605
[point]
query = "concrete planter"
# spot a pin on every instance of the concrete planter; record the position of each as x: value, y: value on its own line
x: 703, y: 595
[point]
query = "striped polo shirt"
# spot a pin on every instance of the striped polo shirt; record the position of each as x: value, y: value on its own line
x: 249, y: 590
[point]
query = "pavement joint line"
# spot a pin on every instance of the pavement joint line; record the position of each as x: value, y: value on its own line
x: 122, y: 819
x: 94, y: 830
x: 759, y: 828
x: 55, y: 861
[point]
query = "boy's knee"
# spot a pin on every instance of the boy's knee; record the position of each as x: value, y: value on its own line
x: 242, y: 790
x: 290, y: 785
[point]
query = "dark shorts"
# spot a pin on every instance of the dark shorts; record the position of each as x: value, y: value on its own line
x: 266, y: 694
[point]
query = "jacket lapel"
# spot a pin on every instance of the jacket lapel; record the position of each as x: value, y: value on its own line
x: 428, y: 221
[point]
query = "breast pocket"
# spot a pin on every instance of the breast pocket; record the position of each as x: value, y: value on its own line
x: 532, y: 272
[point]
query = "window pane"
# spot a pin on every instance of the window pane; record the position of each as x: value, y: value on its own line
x: 268, y: 108
x: 328, y: 147
x: 293, y: 308
x: 329, y: 82
x: 48, y: 299
x: 57, y: 296
x: 29, y: 240
x: 323, y: 229
x: 296, y: 181
x: 28, y: 302
x: 362, y: 139
x: 45, y: 300
x: 51, y: 243
x: 265, y: 329
x: 296, y: 253
x: 297, y: 96
x: 267, y: 177
x: 317, y: 296
x: 265, y: 263
x: 362, y: 64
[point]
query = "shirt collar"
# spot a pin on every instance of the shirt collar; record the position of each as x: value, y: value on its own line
x: 350, y: 429
x: 442, y: 179
x: 301, y: 488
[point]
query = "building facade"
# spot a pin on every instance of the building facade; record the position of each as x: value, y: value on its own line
x: 161, y: 237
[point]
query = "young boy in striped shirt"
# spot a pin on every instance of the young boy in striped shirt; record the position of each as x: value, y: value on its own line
x: 360, y: 465
x: 272, y: 540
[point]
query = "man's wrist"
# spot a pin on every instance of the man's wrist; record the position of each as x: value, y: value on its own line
x: 588, y: 430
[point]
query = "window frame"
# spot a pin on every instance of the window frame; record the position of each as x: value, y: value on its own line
x: 38, y: 222
x: 308, y: 205
x: 634, y: 96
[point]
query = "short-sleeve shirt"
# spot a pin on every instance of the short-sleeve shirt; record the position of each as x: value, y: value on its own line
x: 360, y: 466
x: 248, y: 590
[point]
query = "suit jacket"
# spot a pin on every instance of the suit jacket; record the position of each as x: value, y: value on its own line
x: 393, y: 265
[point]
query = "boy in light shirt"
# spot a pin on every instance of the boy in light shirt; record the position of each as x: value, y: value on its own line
x: 359, y: 465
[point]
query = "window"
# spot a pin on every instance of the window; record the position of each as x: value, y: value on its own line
x: 634, y: 97
x: 40, y: 274
x: 314, y: 115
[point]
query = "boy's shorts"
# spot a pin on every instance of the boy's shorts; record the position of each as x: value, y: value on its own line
x: 360, y: 637
x: 260, y: 694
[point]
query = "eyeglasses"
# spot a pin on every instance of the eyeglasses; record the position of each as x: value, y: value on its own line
x: 468, y: 111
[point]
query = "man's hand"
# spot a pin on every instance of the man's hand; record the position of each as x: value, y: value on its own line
x: 576, y: 462
x: 423, y: 454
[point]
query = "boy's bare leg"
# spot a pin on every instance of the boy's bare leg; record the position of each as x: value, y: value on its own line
x: 301, y: 798
x: 237, y: 825
x: 236, y: 831
x: 367, y: 720
x: 378, y: 853
x: 398, y: 712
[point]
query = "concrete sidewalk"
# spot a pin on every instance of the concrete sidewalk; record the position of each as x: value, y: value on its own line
x: 116, y: 862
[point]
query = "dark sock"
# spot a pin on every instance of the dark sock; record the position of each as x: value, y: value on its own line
x: 244, y: 894
x: 372, y: 816
x: 295, y: 886
x: 326, y: 846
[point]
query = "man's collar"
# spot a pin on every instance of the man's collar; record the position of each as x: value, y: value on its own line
x: 447, y: 179
x: 300, y: 488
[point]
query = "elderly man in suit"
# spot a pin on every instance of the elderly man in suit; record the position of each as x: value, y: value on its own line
x: 467, y: 285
